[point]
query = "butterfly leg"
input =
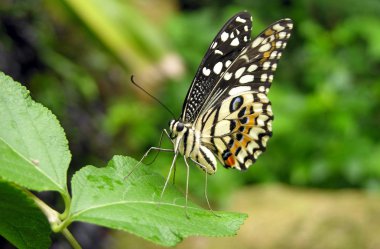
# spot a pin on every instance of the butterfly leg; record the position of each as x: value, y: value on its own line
x: 159, y: 149
x: 206, y: 196
x: 205, y: 191
x: 169, y: 174
x: 187, y: 186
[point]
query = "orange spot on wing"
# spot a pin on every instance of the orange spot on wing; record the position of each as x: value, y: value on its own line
x: 230, y: 161
x: 268, y: 32
x: 246, y: 140
x: 234, y: 147
x: 266, y: 54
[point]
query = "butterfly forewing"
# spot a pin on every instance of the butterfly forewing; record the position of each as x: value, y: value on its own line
x: 253, y: 68
x: 228, y: 43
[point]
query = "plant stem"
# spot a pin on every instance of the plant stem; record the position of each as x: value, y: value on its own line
x: 67, y: 200
x: 56, y: 224
x: 70, y: 238
x: 51, y: 214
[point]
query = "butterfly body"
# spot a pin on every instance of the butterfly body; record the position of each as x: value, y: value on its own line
x: 187, y: 141
x: 227, y: 115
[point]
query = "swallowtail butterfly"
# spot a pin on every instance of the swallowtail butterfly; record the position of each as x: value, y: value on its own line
x: 227, y: 114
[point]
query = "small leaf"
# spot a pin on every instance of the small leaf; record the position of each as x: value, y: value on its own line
x: 22, y: 222
x: 33, y: 147
x: 102, y: 196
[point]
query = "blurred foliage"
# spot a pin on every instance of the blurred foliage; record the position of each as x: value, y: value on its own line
x: 326, y: 92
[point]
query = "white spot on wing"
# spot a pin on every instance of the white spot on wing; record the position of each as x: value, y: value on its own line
x: 260, y: 122
x: 239, y: 19
x: 273, y: 55
x: 263, y: 98
x: 248, y: 163
x: 239, y: 72
x: 257, y: 154
x: 239, y: 89
x: 269, y: 109
x: 218, y: 67
x: 218, y: 52
x: 214, y: 45
x: 265, y: 140
x: 235, y: 42
x: 257, y: 107
x: 278, y: 27
x: 224, y: 36
x: 255, y: 131
x: 227, y: 76
x: 246, y: 79
x: 251, y: 146
x: 266, y: 65
x: 206, y: 71
x: 256, y: 42
x: 264, y: 47
x: 274, y: 66
x: 246, y: 28
x: 282, y: 35
x: 227, y: 63
x: 252, y: 68
x: 263, y: 77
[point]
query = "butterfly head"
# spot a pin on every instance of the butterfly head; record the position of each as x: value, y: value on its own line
x: 177, y: 128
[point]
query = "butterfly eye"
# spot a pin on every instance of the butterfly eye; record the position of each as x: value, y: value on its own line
x: 180, y: 127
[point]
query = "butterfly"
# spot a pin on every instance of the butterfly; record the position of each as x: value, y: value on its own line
x: 227, y: 115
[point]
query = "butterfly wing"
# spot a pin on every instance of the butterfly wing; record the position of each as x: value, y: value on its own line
x: 238, y: 128
x: 253, y: 68
x: 231, y: 39
x: 236, y: 121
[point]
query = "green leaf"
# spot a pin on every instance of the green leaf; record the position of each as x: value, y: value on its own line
x: 33, y: 147
x: 22, y: 222
x: 102, y: 196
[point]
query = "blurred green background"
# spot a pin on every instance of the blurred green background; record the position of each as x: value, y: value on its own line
x: 76, y: 57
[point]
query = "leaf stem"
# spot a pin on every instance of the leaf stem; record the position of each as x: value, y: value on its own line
x: 67, y: 200
x: 51, y: 214
x: 54, y: 217
x: 70, y: 238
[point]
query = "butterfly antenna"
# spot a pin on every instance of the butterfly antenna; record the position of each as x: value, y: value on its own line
x: 150, y: 95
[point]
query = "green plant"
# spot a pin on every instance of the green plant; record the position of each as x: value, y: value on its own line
x: 34, y: 155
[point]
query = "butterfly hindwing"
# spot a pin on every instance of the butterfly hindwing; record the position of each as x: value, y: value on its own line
x: 231, y: 39
x: 238, y: 129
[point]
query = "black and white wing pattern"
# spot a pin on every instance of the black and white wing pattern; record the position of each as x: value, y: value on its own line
x: 231, y: 39
x: 231, y: 109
